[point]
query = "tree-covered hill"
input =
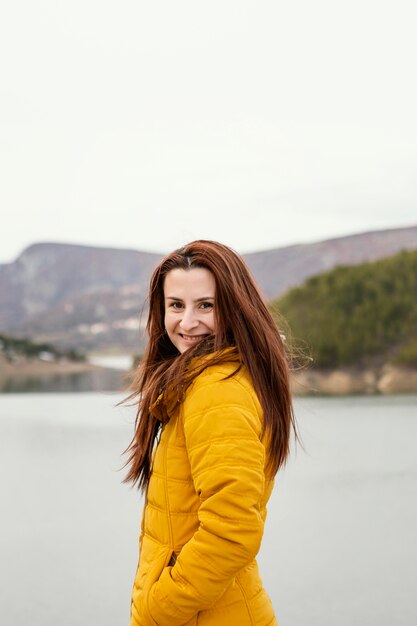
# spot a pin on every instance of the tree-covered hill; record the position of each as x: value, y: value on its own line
x: 351, y: 314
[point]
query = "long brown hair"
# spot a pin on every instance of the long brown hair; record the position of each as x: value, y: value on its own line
x: 243, y: 321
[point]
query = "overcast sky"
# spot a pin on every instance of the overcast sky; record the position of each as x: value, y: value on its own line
x: 147, y: 124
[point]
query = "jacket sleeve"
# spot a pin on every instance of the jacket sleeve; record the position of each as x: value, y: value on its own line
x: 223, y: 438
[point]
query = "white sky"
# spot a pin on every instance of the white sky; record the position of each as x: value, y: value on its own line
x: 260, y: 124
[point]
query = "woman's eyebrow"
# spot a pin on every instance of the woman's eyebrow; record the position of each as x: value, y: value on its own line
x: 204, y: 299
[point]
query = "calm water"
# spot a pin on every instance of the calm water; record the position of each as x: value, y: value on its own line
x: 94, y: 380
x: 339, y: 547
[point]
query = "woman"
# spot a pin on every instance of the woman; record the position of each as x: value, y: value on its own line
x: 212, y: 430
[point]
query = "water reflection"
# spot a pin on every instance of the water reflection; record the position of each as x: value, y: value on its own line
x: 94, y: 380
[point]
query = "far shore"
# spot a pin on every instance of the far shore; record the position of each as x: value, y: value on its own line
x: 26, y: 374
x: 387, y: 379
x: 354, y: 380
x: 25, y: 367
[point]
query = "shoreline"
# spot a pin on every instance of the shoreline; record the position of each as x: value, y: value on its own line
x: 354, y: 380
x: 35, y: 368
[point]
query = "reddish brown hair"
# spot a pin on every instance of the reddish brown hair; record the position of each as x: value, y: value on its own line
x: 242, y: 320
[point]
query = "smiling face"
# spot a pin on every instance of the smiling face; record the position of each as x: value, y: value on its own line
x: 189, y: 306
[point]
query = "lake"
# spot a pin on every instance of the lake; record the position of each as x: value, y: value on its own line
x: 340, y: 543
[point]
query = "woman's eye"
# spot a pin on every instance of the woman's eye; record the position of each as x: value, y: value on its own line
x: 206, y: 305
x: 176, y: 305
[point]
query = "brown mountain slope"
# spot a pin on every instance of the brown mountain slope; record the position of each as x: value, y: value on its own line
x: 278, y: 270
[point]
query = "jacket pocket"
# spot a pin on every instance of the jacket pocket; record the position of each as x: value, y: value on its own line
x: 153, y: 558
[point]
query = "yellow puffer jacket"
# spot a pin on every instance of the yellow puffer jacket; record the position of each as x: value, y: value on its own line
x: 205, y: 511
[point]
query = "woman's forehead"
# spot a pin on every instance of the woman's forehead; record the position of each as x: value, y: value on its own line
x: 196, y: 282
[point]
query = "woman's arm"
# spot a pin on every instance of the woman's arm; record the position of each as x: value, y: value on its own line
x: 222, y: 430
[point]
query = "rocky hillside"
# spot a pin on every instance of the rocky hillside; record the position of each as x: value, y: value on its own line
x: 91, y: 298
x: 75, y: 296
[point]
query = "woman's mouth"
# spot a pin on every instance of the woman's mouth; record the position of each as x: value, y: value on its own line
x: 192, y: 338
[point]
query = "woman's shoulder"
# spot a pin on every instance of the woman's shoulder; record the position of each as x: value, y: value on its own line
x: 233, y: 371
x: 225, y: 383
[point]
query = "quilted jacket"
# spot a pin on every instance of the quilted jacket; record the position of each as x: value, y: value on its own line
x: 205, y: 510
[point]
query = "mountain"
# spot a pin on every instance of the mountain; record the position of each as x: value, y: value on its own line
x: 88, y: 298
x: 280, y: 269
x: 75, y: 296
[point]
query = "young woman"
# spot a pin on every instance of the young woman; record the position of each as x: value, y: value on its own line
x: 212, y: 429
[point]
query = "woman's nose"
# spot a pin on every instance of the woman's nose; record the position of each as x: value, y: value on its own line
x: 189, y: 319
